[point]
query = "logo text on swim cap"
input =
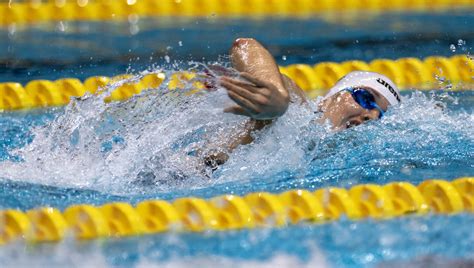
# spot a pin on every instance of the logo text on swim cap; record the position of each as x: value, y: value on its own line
x: 390, y: 88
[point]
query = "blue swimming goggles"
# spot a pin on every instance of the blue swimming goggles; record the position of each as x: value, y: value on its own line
x: 365, y: 99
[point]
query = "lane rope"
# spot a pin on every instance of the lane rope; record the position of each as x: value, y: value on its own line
x: 434, y: 72
x: 33, y: 11
x: 232, y: 212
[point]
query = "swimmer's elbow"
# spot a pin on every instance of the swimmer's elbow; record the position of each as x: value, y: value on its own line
x: 244, y: 40
x: 242, y: 45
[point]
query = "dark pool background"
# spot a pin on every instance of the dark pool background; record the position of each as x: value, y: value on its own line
x: 85, y: 49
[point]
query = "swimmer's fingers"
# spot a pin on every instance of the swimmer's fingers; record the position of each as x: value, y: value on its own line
x: 258, y: 82
x: 244, y: 84
x: 246, y: 92
x: 238, y: 110
x: 244, y: 103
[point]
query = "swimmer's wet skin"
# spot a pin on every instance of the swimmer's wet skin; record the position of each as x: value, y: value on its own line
x: 264, y: 94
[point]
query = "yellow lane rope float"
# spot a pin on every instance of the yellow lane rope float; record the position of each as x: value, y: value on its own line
x: 231, y: 212
x: 32, y: 11
x: 453, y: 73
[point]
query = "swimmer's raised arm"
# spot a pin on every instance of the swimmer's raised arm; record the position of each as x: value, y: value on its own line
x: 263, y: 94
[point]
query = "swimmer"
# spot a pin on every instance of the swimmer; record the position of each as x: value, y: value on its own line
x: 264, y: 94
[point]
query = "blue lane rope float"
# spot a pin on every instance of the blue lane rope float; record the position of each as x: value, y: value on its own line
x: 231, y: 212
x: 407, y: 73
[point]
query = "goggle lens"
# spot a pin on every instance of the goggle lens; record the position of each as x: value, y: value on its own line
x: 365, y: 99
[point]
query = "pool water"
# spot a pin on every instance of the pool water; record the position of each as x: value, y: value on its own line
x: 428, y: 136
x: 143, y: 148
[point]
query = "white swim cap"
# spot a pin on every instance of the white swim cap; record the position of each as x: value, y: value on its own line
x: 375, y: 81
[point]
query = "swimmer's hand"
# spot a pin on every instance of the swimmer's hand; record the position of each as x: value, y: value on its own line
x: 215, y: 159
x: 255, y: 98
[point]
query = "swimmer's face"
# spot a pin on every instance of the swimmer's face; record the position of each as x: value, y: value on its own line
x: 344, y: 112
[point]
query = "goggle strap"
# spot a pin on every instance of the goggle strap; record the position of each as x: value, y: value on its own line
x: 378, y: 108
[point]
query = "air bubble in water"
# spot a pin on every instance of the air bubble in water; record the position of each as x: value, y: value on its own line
x: 180, y: 43
x: 167, y: 59
x: 461, y: 42
x: 283, y: 57
x: 452, y: 47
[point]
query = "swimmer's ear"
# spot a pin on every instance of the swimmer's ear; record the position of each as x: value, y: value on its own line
x: 237, y: 110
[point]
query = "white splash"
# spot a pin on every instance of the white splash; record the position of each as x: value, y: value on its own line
x: 69, y: 254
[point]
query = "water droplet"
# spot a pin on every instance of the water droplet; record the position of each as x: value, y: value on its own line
x: 11, y: 29
x: 134, y: 29
x: 452, y: 47
x: 283, y: 57
x: 369, y: 257
x: 133, y: 18
x: 61, y: 26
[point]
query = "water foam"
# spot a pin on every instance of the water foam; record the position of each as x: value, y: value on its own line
x: 93, y: 256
